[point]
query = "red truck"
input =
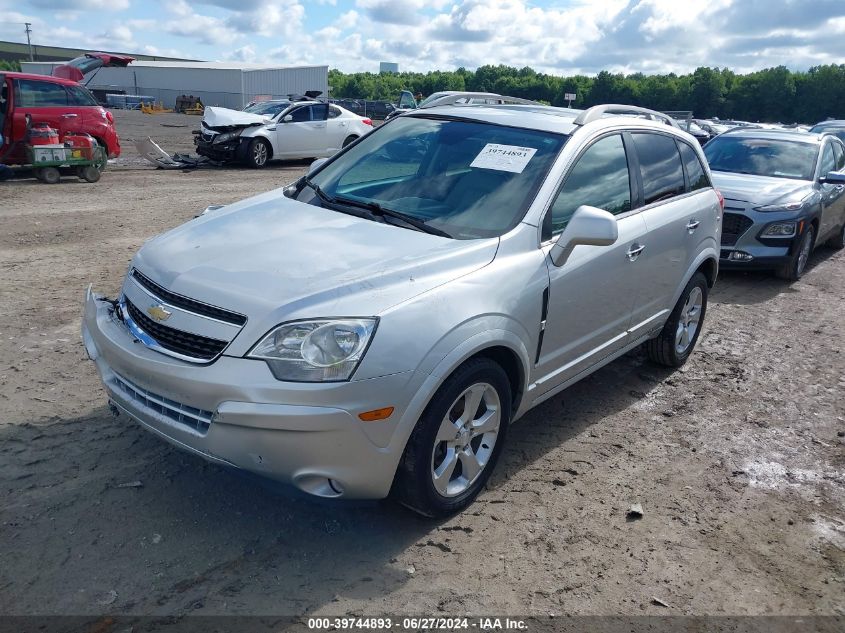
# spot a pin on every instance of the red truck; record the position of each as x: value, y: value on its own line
x: 60, y: 101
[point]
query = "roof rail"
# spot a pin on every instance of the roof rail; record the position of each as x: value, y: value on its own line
x: 466, y: 98
x: 596, y: 112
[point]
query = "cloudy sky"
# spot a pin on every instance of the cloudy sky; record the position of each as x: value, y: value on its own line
x: 557, y: 36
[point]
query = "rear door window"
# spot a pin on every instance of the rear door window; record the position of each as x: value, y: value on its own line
x: 78, y: 96
x: 696, y: 176
x: 660, y: 166
x: 599, y: 179
x: 31, y: 93
x: 334, y: 112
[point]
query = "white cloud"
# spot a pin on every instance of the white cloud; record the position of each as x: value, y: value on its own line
x: 81, y: 5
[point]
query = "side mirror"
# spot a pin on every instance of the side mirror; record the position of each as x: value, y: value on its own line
x: 588, y: 226
x: 833, y: 178
x: 316, y: 165
x: 287, y: 118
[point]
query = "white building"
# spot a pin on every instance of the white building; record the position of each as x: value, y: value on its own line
x: 227, y: 84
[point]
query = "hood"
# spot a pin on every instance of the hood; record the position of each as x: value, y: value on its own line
x: 275, y: 259
x: 760, y: 190
x: 215, y: 117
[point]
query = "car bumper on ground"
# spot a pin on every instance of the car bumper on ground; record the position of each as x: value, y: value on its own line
x: 233, y: 412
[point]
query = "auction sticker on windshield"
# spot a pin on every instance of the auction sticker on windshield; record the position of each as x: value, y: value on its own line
x: 503, y: 157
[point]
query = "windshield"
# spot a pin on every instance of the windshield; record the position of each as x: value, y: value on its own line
x: 762, y: 157
x: 270, y: 108
x: 463, y: 178
x: 836, y: 130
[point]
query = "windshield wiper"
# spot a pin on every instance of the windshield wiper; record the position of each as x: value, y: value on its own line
x: 378, y: 209
x: 331, y: 200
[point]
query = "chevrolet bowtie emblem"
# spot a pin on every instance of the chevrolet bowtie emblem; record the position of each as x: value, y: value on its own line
x: 159, y: 312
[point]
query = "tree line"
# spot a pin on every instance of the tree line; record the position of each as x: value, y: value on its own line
x: 770, y: 95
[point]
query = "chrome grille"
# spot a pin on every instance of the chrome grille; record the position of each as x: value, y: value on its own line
x: 178, y: 341
x: 197, y: 419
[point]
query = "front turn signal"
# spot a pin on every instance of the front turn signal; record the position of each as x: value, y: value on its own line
x: 376, y: 414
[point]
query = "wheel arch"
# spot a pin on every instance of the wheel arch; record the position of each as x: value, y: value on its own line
x: 707, y: 263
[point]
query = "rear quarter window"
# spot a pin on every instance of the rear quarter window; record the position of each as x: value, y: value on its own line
x: 660, y: 166
x: 696, y: 175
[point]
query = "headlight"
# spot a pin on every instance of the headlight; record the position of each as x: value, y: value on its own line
x: 788, y: 207
x: 321, y: 350
x: 779, y: 229
x: 223, y: 138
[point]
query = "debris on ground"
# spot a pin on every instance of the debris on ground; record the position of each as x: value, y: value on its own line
x: 108, y: 598
x: 635, y: 512
x: 658, y: 602
x: 150, y: 150
x: 130, y: 484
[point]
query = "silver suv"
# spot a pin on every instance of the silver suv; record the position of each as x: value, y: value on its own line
x: 375, y: 327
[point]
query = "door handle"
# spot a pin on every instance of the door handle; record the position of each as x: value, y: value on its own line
x: 69, y: 116
x: 634, y: 251
x: 692, y: 225
x: 320, y: 125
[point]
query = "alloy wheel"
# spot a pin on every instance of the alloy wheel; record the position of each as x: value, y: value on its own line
x: 804, y: 255
x: 689, y: 320
x: 465, y: 440
x: 259, y: 153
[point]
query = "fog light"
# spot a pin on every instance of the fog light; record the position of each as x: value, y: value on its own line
x: 741, y: 256
x: 780, y: 229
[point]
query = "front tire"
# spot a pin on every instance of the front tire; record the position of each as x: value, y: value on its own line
x: 457, y: 441
x: 257, y: 153
x: 792, y: 270
x: 673, y: 346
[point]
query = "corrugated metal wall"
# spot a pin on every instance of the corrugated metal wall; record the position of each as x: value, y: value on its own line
x: 230, y: 88
x: 281, y: 82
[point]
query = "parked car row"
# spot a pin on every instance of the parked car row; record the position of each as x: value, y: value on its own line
x: 378, y: 110
x: 374, y: 328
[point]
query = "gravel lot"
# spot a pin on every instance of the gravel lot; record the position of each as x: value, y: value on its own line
x: 737, y: 459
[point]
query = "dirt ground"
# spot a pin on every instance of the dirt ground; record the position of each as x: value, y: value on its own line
x: 737, y: 459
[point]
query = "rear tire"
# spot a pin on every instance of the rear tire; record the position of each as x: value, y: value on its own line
x: 673, y: 346
x: 50, y: 175
x: 258, y: 153
x: 838, y: 240
x: 451, y: 452
x: 89, y: 173
x: 792, y: 270
x: 349, y: 139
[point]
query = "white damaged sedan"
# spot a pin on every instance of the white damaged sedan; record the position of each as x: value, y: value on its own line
x: 278, y: 129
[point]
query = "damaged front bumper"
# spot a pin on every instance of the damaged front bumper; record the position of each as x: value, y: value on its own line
x: 226, y: 152
x: 235, y: 413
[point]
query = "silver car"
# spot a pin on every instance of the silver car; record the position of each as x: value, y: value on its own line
x: 375, y: 327
x: 784, y: 195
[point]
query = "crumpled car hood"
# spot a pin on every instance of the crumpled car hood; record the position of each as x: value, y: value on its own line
x: 275, y: 259
x: 215, y: 117
x: 759, y: 190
